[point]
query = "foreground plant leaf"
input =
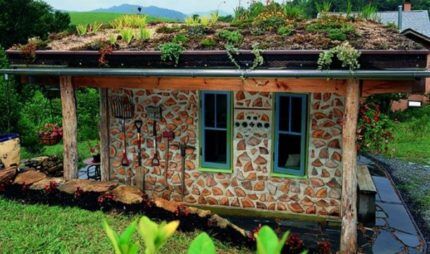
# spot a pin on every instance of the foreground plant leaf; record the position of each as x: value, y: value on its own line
x: 268, y: 242
x: 202, y: 244
x: 154, y: 235
x: 122, y: 243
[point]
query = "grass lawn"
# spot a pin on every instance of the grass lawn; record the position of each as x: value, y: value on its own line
x: 411, y: 136
x: 85, y: 18
x: 48, y: 229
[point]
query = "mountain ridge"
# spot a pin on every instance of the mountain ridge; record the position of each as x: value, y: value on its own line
x: 147, y: 10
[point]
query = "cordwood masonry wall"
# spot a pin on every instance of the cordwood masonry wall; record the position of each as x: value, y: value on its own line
x: 250, y: 184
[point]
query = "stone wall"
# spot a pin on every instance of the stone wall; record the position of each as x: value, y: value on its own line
x: 250, y: 184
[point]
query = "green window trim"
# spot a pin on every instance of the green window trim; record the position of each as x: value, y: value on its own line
x: 215, y: 167
x: 292, y: 172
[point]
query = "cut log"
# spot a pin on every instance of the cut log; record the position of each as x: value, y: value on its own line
x: 84, y: 185
x: 29, y: 177
x: 43, y: 184
x: 68, y: 102
x: 348, y: 242
x: 127, y: 195
x: 7, y: 175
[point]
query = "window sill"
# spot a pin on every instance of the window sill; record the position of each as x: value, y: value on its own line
x: 215, y: 170
x: 288, y: 176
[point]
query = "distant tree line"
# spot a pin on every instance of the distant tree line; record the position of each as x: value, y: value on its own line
x: 311, y: 6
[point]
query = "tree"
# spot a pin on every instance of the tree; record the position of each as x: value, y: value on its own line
x: 9, y: 102
x: 22, y: 19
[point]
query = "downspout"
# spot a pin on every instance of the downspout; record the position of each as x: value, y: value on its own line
x: 400, y: 18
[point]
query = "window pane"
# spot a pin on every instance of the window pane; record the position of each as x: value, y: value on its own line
x: 221, y: 111
x: 296, y: 114
x: 289, y: 151
x: 284, y: 105
x: 215, y: 146
x: 209, y: 110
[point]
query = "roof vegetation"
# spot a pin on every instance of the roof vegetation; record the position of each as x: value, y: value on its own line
x: 273, y: 26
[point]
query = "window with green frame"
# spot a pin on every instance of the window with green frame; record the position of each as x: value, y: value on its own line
x: 291, y: 115
x: 215, y: 130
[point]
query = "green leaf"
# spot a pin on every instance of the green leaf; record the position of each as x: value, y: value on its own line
x: 148, y: 230
x: 202, y: 244
x: 281, y: 243
x: 267, y: 241
x: 113, y: 237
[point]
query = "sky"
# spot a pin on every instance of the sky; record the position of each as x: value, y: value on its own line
x: 185, y: 6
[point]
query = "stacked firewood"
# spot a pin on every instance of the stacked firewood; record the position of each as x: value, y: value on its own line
x: 51, y: 166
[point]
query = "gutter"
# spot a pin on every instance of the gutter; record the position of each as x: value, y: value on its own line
x: 229, y: 73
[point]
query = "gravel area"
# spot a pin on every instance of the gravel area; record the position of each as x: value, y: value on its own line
x: 413, y: 181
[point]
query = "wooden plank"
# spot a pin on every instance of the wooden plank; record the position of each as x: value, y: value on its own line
x: 227, y: 84
x: 364, y: 179
x: 68, y: 102
x: 371, y: 87
x: 104, y: 135
x: 348, y: 241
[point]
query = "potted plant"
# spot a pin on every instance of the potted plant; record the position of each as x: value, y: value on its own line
x: 95, y: 152
x: 50, y: 134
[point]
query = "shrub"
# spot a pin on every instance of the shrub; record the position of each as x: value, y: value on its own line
x: 368, y: 12
x: 129, y: 21
x: 373, y: 133
x: 82, y: 29
x: 171, y: 51
x: 165, y: 29
x: 285, y: 30
x: 180, y: 39
x: 208, y: 43
x: 127, y: 35
x: 336, y: 28
x: 9, y: 101
x: 294, y: 11
x: 345, y: 53
x: 20, y: 20
x: 231, y: 37
x: 144, y: 34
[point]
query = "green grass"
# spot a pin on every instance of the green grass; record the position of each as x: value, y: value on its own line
x: 57, y: 150
x: 86, y: 18
x: 45, y: 229
x: 411, y: 134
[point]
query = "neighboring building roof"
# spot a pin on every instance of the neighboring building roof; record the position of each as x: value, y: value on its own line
x: 417, y: 20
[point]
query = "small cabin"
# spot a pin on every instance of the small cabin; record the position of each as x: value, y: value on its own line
x: 214, y: 130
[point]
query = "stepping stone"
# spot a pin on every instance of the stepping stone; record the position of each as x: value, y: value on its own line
x: 408, y: 239
x: 386, y: 243
x: 46, y: 182
x: 7, y: 175
x: 385, y: 190
x: 398, y: 218
x: 29, y: 177
x: 71, y: 186
x: 127, y: 195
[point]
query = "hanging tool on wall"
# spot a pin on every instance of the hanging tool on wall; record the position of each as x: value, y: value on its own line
x: 154, y: 113
x: 123, y: 109
x: 169, y: 136
x: 138, y: 124
x: 183, y: 147
x: 156, y: 158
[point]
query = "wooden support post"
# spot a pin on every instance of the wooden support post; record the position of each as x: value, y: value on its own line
x: 348, y: 241
x: 68, y: 102
x: 104, y: 135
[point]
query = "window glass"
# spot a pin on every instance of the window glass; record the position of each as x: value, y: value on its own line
x: 290, y: 134
x: 215, y: 130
